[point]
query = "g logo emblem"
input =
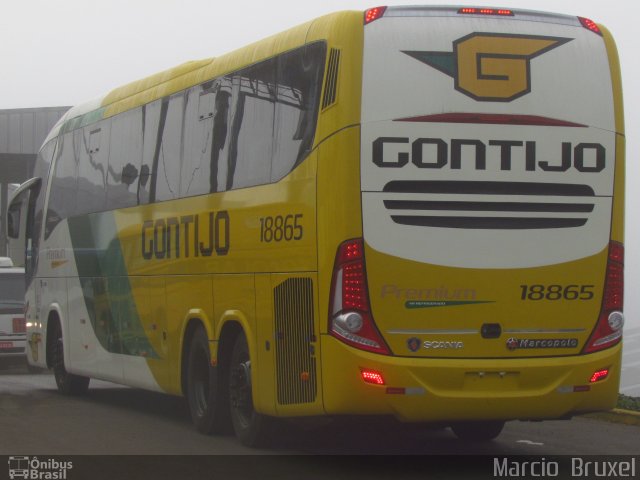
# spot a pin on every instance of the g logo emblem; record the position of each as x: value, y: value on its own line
x: 491, y: 67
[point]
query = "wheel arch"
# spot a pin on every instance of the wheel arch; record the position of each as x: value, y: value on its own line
x: 195, y: 319
x: 54, y: 316
x: 232, y: 324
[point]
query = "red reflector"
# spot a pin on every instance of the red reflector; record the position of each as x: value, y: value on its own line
x: 599, y: 375
x: 590, y: 25
x: 486, y: 11
x: 19, y: 325
x: 581, y: 388
x: 372, y: 376
x: 395, y: 391
x: 373, y: 14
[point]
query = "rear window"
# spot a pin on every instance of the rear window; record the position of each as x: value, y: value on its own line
x: 11, y: 288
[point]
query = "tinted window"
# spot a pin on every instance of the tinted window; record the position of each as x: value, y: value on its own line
x: 41, y: 170
x: 152, y: 134
x: 167, y: 159
x: 196, y: 176
x: 251, y: 138
x: 299, y: 84
x: 11, y: 288
x: 93, y: 151
x: 125, y: 156
x: 62, y: 199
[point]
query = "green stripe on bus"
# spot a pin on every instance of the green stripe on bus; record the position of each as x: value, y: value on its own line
x: 106, y: 287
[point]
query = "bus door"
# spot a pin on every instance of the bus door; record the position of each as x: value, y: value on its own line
x: 20, y: 220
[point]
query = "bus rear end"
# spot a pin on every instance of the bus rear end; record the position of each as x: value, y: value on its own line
x: 487, y: 284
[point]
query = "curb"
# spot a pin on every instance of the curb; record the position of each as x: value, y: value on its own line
x: 617, y: 415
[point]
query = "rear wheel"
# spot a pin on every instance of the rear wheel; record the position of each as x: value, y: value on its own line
x: 208, y: 402
x: 252, y: 428
x: 480, y: 431
x: 68, y: 383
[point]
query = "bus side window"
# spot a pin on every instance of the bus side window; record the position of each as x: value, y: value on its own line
x: 92, y: 144
x: 125, y: 157
x: 41, y: 170
x: 299, y: 85
x: 251, y: 132
x: 62, y: 199
x: 196, y: 163
x: 151, y: 136
x: 168, y: 158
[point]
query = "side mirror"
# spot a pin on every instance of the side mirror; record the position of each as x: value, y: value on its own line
x: 13, y: 220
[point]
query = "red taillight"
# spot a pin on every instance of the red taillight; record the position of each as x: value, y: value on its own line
x: 608, y: 331
x: 373, y: 14
x: 372, y: 376
x: 354, y: 291
x: 350, y: 317
x: 486, y: 11
x: 590, y: 25
x: 19, y: 325
x: 599, y: 375
x: 614, y: 286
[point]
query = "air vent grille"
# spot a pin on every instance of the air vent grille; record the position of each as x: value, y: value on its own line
x: 295, y: 361
x: 451, y: 204
x: 331, y: 84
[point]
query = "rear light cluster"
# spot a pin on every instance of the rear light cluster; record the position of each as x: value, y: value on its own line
x: 608, y: 331
x: 350, y: 317
x: 486, y: 11
x: 19, y: 325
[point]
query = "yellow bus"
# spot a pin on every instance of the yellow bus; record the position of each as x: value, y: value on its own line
x: 410, y: 211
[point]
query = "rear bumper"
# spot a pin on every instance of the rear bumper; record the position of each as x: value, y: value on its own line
x: 463, y: 389
x: 16, y: 349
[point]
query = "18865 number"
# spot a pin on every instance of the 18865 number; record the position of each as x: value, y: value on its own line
x: 281, y: 228
x: 556, y: 292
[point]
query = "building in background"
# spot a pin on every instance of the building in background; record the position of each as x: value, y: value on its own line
x: 22, y: 132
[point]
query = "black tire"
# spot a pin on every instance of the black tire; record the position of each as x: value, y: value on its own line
x: 206, y: 392
x: 68, y: 383
x: 478, y: 431
x: 252, y: 428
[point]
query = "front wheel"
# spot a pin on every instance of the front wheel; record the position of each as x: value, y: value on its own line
x: 479, y: 431
x: 252, y: 428
x: 68, y: 383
